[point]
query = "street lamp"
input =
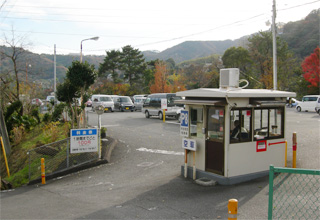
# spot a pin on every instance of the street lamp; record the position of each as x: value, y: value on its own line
x: 83, y: 114
x: 93, y: 38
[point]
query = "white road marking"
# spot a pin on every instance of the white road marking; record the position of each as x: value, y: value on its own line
x: 160, y: 151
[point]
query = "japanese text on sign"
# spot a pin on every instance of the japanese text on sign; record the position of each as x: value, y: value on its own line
x: 184, y: 123
x: 83, y: 140
x: 189, y: 144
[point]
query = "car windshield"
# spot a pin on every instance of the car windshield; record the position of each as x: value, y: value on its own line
x: 124, y: 99
x: 105, y: 99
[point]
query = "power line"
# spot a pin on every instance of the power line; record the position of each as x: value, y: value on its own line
x: 308, y: 3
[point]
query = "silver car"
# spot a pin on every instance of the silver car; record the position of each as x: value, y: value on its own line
x: 105, y: 100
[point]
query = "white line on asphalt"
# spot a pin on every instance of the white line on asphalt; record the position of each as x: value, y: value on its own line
x: 160, y: 151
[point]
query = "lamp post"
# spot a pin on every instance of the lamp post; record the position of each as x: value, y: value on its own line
x: 83, y: 114
x: 93, y: 38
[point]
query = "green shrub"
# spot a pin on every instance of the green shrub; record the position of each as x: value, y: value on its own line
x: 35, y: 113
x: 46, y: 118
x: 57, y: 113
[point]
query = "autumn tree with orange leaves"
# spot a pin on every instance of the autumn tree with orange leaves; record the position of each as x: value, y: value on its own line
x: 160, y: 79
x: 311, y: 69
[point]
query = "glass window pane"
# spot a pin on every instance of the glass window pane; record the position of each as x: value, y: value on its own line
x: 275, y: 128
x: 196, y: 115
x: 260, y: 123
x: 215, y: 123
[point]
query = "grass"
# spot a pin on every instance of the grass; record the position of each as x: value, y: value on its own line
x: 19, y: 161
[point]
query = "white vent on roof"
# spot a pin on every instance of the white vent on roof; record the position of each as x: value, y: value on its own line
x: 229, y: 78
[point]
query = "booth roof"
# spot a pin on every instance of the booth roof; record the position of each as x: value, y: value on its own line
x: 235, y: 93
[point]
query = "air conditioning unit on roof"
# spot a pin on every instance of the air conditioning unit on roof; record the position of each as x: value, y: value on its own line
x: 229, y: 78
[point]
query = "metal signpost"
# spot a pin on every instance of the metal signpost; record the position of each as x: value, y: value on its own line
x: 99, y: 110
x: 164, y: 107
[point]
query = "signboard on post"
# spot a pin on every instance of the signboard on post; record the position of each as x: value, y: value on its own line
x: 164, y: 104
x: 189, y: 144
x: 83, y: 140
x: 184, y: 123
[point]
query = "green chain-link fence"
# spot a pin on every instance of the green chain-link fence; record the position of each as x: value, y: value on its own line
x: 57, y: 158
x: 294, y: 193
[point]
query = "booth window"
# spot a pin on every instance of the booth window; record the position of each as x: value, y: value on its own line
x: 216, y: 124
x: 196, y: 117
x: 268, y: 123
x: 240, y: 125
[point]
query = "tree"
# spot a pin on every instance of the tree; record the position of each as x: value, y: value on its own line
x: 81, y: 76
x: 260, y: 49
x: 67, y: 92
x: 14, y: 52
x: 132, y: 64
x: 311, y: 69
x: 160, y: 79
x: 111, y: 64
x: 236, y: 58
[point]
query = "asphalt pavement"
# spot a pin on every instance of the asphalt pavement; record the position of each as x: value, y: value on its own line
x: 142, y: 180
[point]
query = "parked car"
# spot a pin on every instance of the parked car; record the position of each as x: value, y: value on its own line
x: 309, y: 103
x: 123, y: 103
x: 89, y: 103
x: 152, y: 105
x: 292, y: 102
x: 36, y: 101
x: 104, y: 100
x: 138, y: 103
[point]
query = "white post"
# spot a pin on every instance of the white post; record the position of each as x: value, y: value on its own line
x: 274, y: 40
x: 54, y: 76
x: 99, y: 135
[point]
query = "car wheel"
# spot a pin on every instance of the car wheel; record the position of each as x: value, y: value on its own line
x: 160, y: 116
x: 318, y: 111
x: 121, y: 109
x: 111, y: 109
x: 147, y: 114
x: 132, y: 110
x: 299, y: 109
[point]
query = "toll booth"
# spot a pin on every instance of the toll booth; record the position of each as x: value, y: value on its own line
x: 233, y: 134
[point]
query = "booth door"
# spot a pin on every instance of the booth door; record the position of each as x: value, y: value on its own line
x: 215, y: 141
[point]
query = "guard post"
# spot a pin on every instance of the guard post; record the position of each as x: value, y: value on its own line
x: 43, y: 172
x: 294, y: 150
x: 232, y: 209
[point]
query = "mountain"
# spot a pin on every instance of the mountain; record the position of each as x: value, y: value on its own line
x: 194, y: 49
x: 302, y: 38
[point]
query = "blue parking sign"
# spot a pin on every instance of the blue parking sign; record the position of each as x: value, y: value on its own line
x: 184, y: 123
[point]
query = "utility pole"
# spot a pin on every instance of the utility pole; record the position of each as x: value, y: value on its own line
x: 274, y: 40
x: 54, y: 76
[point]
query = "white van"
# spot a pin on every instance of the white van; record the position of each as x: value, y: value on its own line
x: 309, y: 103
x: 104, y: 100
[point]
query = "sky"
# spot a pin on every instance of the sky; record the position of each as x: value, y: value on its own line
x: 143, y: 24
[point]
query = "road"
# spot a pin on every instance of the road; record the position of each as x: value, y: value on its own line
x: 142, y: 180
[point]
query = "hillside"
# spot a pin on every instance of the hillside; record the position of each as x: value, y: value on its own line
x: 193, y: 49
x: 302, y: 38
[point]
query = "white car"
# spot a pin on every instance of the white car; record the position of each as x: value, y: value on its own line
x: 309, y: 103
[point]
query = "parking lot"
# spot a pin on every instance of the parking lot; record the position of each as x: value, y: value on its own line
x: 143, y: 181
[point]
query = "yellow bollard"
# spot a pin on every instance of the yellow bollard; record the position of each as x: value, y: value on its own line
x: 232, y: 209
x: 294, y: 150
x: 164, y: 115
x: 5, y: 157
x: 43, y: 172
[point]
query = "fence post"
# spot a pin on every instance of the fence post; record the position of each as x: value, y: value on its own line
x: 232, y: 209
x: 68, y: 147
x: 270, y: 205
x: 28, y: 153
x: 294, y: 150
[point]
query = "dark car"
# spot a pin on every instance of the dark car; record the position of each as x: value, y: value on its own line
x: 123, y: 103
